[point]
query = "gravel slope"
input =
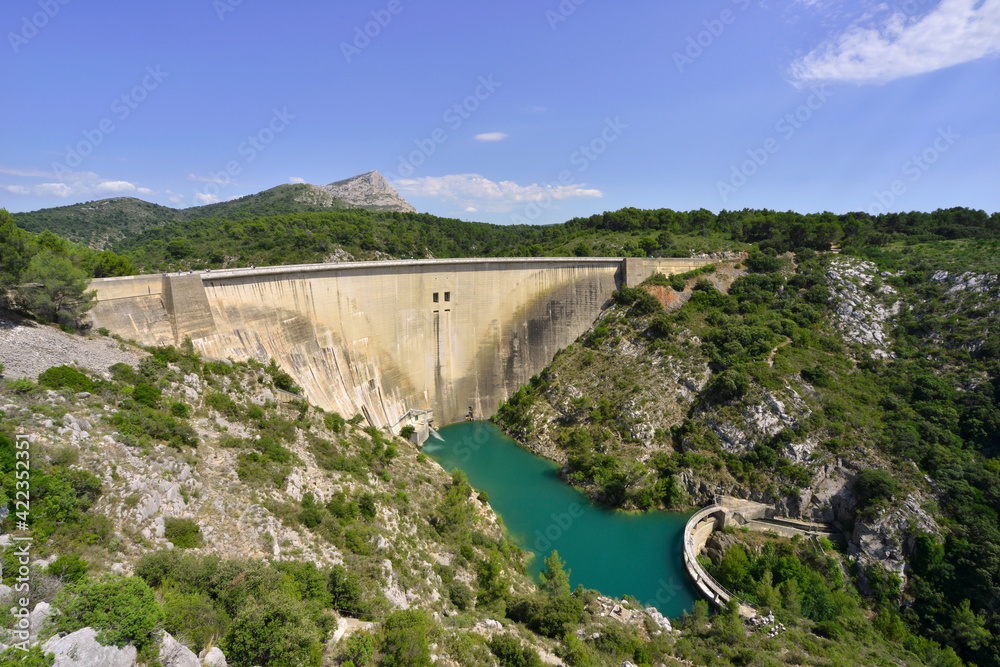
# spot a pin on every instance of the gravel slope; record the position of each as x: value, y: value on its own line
x: 28, y: 348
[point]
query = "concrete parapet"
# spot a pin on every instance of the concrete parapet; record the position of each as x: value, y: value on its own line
x: 638, y: 269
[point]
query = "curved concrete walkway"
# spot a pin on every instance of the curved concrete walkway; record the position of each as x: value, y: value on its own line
x: 728, y: 511
x: 699, y: 527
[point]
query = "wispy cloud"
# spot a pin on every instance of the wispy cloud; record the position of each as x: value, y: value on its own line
x: 296, y: 179
x: 883, y: 50
x: 492, y: 136
x: 204, y: 198
x: 227, y: 180
x: 71, y: 184
x: 474, y: 193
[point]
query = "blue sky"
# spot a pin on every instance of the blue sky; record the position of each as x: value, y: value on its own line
x: 522, y: 111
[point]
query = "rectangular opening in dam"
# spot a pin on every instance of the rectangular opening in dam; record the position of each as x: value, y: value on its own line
x: 447, y: 296
x: 435, y: 297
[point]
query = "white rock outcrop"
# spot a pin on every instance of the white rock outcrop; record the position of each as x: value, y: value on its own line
x: 80, y: 649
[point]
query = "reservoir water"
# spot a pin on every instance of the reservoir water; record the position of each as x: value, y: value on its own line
x: 617, y: 553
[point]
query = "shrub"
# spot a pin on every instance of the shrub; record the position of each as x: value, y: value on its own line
x: 122, y: 610
x: 275, y: 631
x: 192, y: 618
x: 58, y: 377
x: 367, y: 506
x: 345, y: 592
x: 183, y: 533
x: 334, y: 422
x: 68, y: 567
x: 404, y: 639
x: 730, y: 384
x: 21, y: 385
x: 360, y: 648
x: 178, y: 409
x: 510, y: 653
x: 460, y: 595
x: 873, y: 486
x: 145, y: 394
x: 646, y: 304
x: 33, y: 657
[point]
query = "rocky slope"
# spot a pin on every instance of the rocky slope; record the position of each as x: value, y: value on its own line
x: 254, y: 511
x: 369, y: 191
x: 656, y: 432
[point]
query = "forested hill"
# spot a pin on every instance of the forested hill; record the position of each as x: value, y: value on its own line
x: 308, y: 237
x: 101, y: 224
x: 98, y: 224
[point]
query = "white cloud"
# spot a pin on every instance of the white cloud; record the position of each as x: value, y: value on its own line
x: 223, y: 180
x: 144, y: 191
x: 492, y: 136
x: 203, y: 198
x: 41, y: 190
x: 296, y: 179
x: 472, y: 191
x: 114, y: 187
x: 954, y: 32
x: 83, y: 187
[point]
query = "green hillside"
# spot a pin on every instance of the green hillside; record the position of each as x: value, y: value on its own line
x: 862, y: 391
x: 309, y: 237
x: 99, y: 224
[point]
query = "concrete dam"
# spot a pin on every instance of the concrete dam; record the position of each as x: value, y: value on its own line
x: 381, y: 338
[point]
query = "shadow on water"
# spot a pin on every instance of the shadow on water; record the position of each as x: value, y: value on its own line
x: 617, y: 553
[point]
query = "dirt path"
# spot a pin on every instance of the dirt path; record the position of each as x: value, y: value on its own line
x: 770, y: 358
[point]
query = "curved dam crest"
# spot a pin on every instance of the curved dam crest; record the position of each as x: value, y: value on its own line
x: 380, y: 338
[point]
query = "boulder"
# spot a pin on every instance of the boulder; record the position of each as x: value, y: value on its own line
x: 80, y: 649
x: 214, y: 658
x: 6, y: 595
x: 37, y: 619
x: 175, y: 654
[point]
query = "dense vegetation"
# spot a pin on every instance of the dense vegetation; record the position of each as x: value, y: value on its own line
x: 313, y: 237
x: 935, y: 403
x: 922, y: 423
x: 47, y: 276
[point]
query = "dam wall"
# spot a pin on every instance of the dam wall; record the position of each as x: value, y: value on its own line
x: 379, y: 338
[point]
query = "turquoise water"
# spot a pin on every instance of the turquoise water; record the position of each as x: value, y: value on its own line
x: 616, y: 553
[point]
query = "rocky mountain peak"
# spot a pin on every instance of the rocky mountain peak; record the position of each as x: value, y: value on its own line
x: 371, y: 191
